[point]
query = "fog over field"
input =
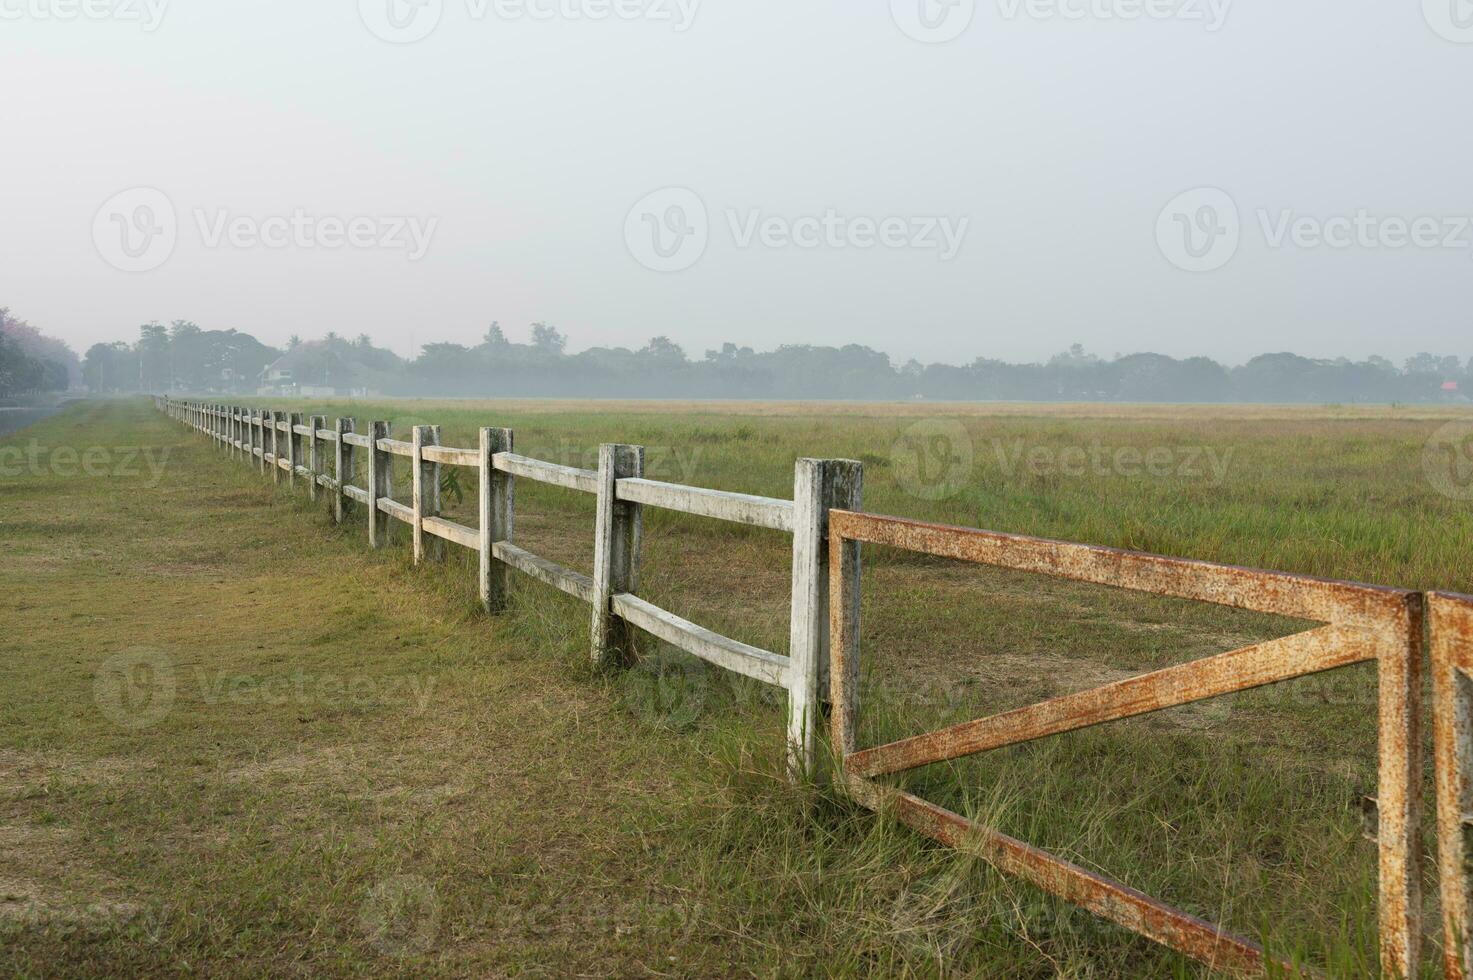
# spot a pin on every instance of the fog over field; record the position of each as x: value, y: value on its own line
x: 937, y: 182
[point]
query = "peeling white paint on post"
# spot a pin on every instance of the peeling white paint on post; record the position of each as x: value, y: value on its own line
x: 380, y: 485
x: 818, y: 485
x: 496, y: 517
x: 314, y: 453
x: 342, y: 469
x: 426, y: 499
x: 617, y: 530
x: 293, y: 447
x: 259, y: 424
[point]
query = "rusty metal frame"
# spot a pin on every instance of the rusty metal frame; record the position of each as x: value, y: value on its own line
x: 1363, y: 623
x: 1450, y: 618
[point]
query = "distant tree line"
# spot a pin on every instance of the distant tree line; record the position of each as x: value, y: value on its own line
x: 183, y: 357
x: 32, y: 363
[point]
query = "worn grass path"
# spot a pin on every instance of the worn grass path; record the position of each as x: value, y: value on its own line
x: 233, y: 742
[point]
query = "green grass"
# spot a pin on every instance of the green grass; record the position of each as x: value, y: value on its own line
x: 359, y: 774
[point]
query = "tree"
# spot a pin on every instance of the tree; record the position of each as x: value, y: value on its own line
x: 548, y: 339
x: 494, y: 338
x: 664, y: 351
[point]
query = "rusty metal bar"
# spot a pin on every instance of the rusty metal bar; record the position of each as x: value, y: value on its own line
x: 1365, y: 623
x: 1277, y: 593
x: 1264, y: 663
x: 1109, y: 899
x: 1451, y: 619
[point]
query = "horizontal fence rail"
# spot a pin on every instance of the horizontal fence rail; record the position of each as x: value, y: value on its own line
x: 1359, y: 623
x: 300, y: 448
x: 1363, y: 623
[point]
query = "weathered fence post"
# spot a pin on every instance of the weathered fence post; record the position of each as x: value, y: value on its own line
x: 496, y: 516
x: 282, y: 448
x: 342, y: 469
x: 258, y: 422
x: 818, y: 486
x: 618, y: 527
x: 1399, y: 793
x: 426, y: 498
x: 293, y: 446
x: 314, y: 453
x: 380, y: 484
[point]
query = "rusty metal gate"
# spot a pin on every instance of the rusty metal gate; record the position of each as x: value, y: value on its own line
x: 1361, y: 623
x: 1451, y: 618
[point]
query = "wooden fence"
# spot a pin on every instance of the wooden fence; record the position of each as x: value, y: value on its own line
x: 1361, y: 623
x: 294, y: 448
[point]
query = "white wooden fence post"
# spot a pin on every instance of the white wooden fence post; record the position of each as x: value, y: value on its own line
x: 426, y: 493
x: 258, y: 423
x: 380, y: 485
x: 342, y: 469
x: 496, y: 516
x: 314, y: 453
x: 618, y: 527
x: 293, y: 447
x: 818, y: 485
x: 274, y: 425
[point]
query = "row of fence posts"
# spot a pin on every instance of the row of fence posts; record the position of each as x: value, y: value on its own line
x: 819, y: 486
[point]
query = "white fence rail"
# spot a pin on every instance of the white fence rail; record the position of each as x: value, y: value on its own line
x: 323, y: 456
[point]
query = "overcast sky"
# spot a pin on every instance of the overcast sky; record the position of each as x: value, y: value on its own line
x: 1185, y: 176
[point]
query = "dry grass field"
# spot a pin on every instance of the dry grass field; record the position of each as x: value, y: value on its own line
x: 236, y: 741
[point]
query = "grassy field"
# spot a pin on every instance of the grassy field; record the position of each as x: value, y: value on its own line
x: 237, y: 741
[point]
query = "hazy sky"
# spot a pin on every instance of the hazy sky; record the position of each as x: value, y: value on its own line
x: 824, y: 172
